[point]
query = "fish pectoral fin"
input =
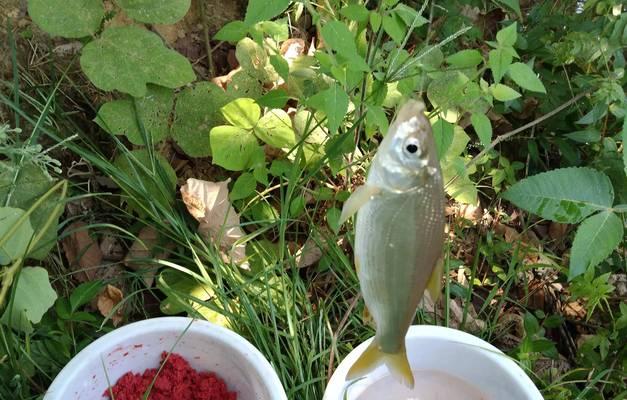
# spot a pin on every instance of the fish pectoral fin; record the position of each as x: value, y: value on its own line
x: 372, y: 357
x: 434, y: 285
x: 358, y: 198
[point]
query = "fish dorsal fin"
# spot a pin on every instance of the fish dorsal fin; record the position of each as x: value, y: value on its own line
x: 358, y: 198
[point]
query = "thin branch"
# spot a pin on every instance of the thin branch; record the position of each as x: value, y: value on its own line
x: 205, y: 32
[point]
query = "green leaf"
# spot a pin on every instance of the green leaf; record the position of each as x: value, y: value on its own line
x: 276, y: 98
x: 233, y: 148
x: 449, y: 90
x: 443, y: 134
x: 242, y: 113
x: 508, y: 35
x: 498, y: 60
x: 31, y: 184
x: 566, y: 195
x: 67, y: 18
x: 355, y: 12
x: 33, y: 297
x: 197, y: 111
x: 125, y: 59
x: 375, y: 20
x: 337, y: 36
x: 625, y: 137
x: 410, y: 16
x: 252, y: 58
x: 465, y: 58
x: 514, y: 5
x: 596, y: 238
x: 280, y: 66
x: 243, y: 187
x: 393, y: 25
x: 275, y: 129
x: 586, y: 136
x: 525, y: 77
x: 261, y: 174
x: 503, y: 92
x: 155, y: 11
x: 333, y: 219
x: 333, y: 102
x: 16, y: 244
x: 118, y: 117
x: 483, y: 127
x: 232, y: 32
x: 84, y: 293
x: 264, y: 10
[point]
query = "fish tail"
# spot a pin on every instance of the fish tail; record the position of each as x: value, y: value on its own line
x: 373, y: 357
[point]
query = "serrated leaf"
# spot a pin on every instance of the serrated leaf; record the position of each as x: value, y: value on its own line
x: 67, y: 18
x: 276, y: 98
x: 355, y: 12
x: 525, y: 77
x: 595, y: 240
x: 498, y: 60
x: 264, y: 10
x: 33, y: 297
x: 197, y: 112
x: 566, y: 195
x: 275, y: 129
x: 465, y: 58
x: 337, y: 36
x: 119, y: 117
x: 125, y: 59
x: 333, y: 102
x: 15, y: 245
x: 84, y: 293
x: 243, y: 187
x: 242, y: 113
x: 503, y: 92
x: 155, y: 11
x: 508, y: 35
x: 232, y: 147
x: 483, y: 127
x: 232, y: 32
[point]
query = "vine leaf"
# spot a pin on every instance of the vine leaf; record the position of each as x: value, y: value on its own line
x: 128, y: 58
x: 566, y: 195
x: 67, y: 18
x: 596, y: 238
x: 155, y: 11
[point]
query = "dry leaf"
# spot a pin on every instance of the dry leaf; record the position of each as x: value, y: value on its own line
x: 144, y: 248
x: 208, y: 203
x: 309, y: 254
x: 107, y: 300
x: 82, y: 252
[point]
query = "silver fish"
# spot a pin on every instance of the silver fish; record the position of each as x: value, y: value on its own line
x: 399, y: 235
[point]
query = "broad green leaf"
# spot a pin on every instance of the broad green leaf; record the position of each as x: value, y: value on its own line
x: 244, y: 85
x: 275, y: 129
x: 375, y: 20
x: 514, y: 5
x: 242, y: 113
x: 585, y: 136
x: 261, y: 174
x: 197, y: 111
x: 525, y: 77
x: 14, y: 245
x: 449, y: 90
x: 31, y: 184
x: 84, y: 293
x: 277, y: 30
x: 232, y: 32
x: 67, y: 18
x: 333, y: 102
x: 595, y: 240
x: 118, y: 117
x: 276, y: 98
x: 155, y: 180
x: 498, y: 60
x: 462, y: 189
x: 625, y: 137
x: 252, y: 58
x: 309, y: 128
x: 280, y: 66
x: 483, y: 127
x: 333, y: 219
x: 443, y: 134
x: 128, y: 58
x: 465, y: 58
x: 566, y: 195
x: 503, y: 92
x: 264, y: 10
x: 232, y: 147
x: 155, y: 11
x: 410, y: 16
x: 508, y: 35
x: 337, y: 36
x: 355, y: 12
x: 394, y: 26
x: 33, y: 297
x: 243, y: 187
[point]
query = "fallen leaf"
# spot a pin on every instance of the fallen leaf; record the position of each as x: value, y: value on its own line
x: 574, y: 310
x: 107, y: 300
x: 111, y: 247
x: 82, y: 251
x: 309, y: 254
x: 208, y: 203
x: 557, y: 230
x: 143, y: 248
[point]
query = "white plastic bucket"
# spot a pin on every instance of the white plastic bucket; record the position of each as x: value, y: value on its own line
x: 435, y: 351
x: 138, y: 346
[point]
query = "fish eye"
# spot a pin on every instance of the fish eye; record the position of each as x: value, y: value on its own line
x: 412, y: 147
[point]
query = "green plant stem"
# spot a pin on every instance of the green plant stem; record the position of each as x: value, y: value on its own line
x: 205, y: 31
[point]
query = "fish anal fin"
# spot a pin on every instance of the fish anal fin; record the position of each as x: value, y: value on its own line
x: 358, y: 198
x: 372, y: 357
x: 434, y: 284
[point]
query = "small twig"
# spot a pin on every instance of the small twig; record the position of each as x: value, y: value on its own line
x: 205, y: 31
x: 340, y: 327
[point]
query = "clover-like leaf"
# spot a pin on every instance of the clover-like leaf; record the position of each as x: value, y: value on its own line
x: 67, y: 18
x: 121, y: 117
x: 243, y: 113
x: 15, y: 244
x: 128, y: 58
x: 197, y: 112
x: 155, y: 11
x: 275, y: 129
x: 233, y: 148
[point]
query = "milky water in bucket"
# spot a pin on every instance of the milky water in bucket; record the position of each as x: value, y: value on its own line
x: 430, y: 385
